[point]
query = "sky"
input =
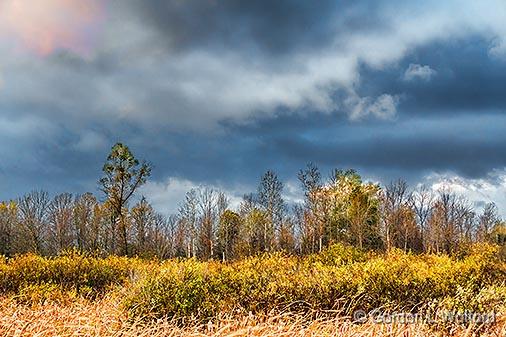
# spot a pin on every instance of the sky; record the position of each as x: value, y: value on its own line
x: 216, y: 92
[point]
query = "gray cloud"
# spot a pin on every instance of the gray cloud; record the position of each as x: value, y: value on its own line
x: 205, y: 80
x: 275, y: 28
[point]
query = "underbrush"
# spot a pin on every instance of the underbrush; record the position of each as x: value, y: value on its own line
x: 396, y: 280
x: 33, y: 278
x: 338, y: 281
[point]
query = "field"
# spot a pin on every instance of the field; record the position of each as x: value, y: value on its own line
x: 323, y: 294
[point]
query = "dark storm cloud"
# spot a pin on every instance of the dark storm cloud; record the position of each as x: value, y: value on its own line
x: 269, y: 26
x: 468, y: 145
x: 427, y: 152
x: 466, y: 79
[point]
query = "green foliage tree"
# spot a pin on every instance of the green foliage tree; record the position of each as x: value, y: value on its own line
x: 363, y: 215
x: 499, y: 233
x: 229, y: 228
x: 123, y: 175
x: 253, y: 231
x: 345, y: 210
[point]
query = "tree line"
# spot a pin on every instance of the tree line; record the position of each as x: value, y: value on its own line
x: 339, y: 209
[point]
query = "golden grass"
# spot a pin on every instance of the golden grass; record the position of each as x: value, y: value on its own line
x: 106, y: 318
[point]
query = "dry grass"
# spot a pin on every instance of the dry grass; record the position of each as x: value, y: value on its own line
x: 106, y: 318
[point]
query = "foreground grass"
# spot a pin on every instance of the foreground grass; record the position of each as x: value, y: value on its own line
x: 105, y: 317
x: 269, y: 295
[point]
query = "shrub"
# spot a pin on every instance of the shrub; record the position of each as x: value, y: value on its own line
x: 340, y: 278
x: 339, y: 254
x: 267, y: 282
x: 178, y: 289
x: 71, y: 271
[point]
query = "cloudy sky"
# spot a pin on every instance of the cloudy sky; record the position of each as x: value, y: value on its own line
x: 215, y: 92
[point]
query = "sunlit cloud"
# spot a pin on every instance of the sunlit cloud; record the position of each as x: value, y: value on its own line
x: 167, y: 196
x: 417, y: 71
x: 491, y: 188
x: 43, y: 26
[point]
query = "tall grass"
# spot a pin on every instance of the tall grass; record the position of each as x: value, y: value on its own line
x: 105, y: 318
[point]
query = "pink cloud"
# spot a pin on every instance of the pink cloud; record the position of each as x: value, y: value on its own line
x: 43, y: 26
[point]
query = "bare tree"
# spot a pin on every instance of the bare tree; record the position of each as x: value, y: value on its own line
x: 208, y: 208
x: 222, y: 203
x: 486, y: 222
x: 142, y: 218
x: 311, y: 217
x: 270, y: 199
x: 451, y: 221
x: 60, y: 221
x: 33, y: 213
x: 399, y: 227
x: 423, y: 204
x: 8, y: 221
x: 304, y: 230
x: 188, y: 222
x: 163, y: 236
x: 87, y: 222
x: 181, y: 238
x: 286, y: 239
